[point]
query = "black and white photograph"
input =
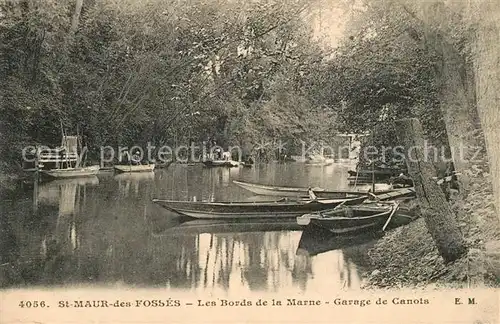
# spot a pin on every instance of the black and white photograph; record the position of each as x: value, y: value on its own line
x: 286, y: 160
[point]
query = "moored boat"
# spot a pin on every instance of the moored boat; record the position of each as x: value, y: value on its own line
x: 320, y: 163
x: 319, y: 160
x: 71, y: 172
x: 244, y: 210
x: 378, y: 174
x: 354, y: 219
x: 281, y: 191
x: 368, y: 187
x: 135, y: 168
x: 221, y: 163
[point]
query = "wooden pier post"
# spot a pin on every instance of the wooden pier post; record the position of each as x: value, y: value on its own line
x: 439, y: 218
x: 36, y: 179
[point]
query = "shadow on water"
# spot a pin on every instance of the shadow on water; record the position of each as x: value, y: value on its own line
x: 108, y: 232
x: 187, y: 226
x: 316, y: 241
x: 353, y: 260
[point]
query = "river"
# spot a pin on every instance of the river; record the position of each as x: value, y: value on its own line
x: 106, y: 231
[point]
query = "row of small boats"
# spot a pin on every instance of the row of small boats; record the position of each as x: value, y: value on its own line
x: 282, y: 208
x: 65, y: 173
x: 315, y: 160
x: 339, y: 212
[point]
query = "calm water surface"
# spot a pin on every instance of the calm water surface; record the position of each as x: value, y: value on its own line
x: 105, y: 231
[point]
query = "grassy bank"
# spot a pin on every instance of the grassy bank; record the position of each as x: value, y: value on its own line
x: 408, y: 257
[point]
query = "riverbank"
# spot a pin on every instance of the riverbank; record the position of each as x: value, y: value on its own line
x: 408, y: 257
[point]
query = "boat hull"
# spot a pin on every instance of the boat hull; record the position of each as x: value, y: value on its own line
x: 381, y: 174
x: 222, y: 163
x: 134, y: 168
x: 266, y: 190
x: 363, y: 219
x: 252, y: 210
x: 71, y: 172
x: 324, y: 162
x: 358, y: 219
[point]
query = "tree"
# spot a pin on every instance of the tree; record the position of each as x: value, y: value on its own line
x: 440, y: 220
x: 76, y: 16
x: 151, y: 71
x: 487, y: 76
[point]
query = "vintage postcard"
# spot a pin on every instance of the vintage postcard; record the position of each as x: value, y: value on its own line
x: 249, y: 161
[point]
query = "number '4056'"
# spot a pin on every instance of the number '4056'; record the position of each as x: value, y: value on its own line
x: 32, y: 304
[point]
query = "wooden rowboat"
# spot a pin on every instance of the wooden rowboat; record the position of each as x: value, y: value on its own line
x: 245, y: 210
x: 324, y: 162
x: 364, y: 218
x: 378, y: 174
x: 135, y: 168
x: 267, y: 190
x: 221, y: 163
x: 71, y: 172
x: 319, y: 160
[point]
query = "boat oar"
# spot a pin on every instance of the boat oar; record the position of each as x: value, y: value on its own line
x: 396, y: 205
x: 342, y: 203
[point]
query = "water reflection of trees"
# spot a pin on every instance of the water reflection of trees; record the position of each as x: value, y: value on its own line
x: 351, y: 252
x: 84, y: 235
x: 257, y: 261
x: 356, y: 260
x: 39, y: 241
x: 100, y: 235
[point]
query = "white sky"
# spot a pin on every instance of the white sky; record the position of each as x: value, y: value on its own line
x: 329, y: 18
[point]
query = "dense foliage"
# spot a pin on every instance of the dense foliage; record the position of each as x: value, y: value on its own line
x: 248, y: 74
x: 382, y: 72
x: 164, y: 72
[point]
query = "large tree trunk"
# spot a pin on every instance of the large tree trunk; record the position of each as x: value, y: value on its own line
x: 458, y: 102
x: 487, y: 75
x: 439, y: 218
x: 76, y: 16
